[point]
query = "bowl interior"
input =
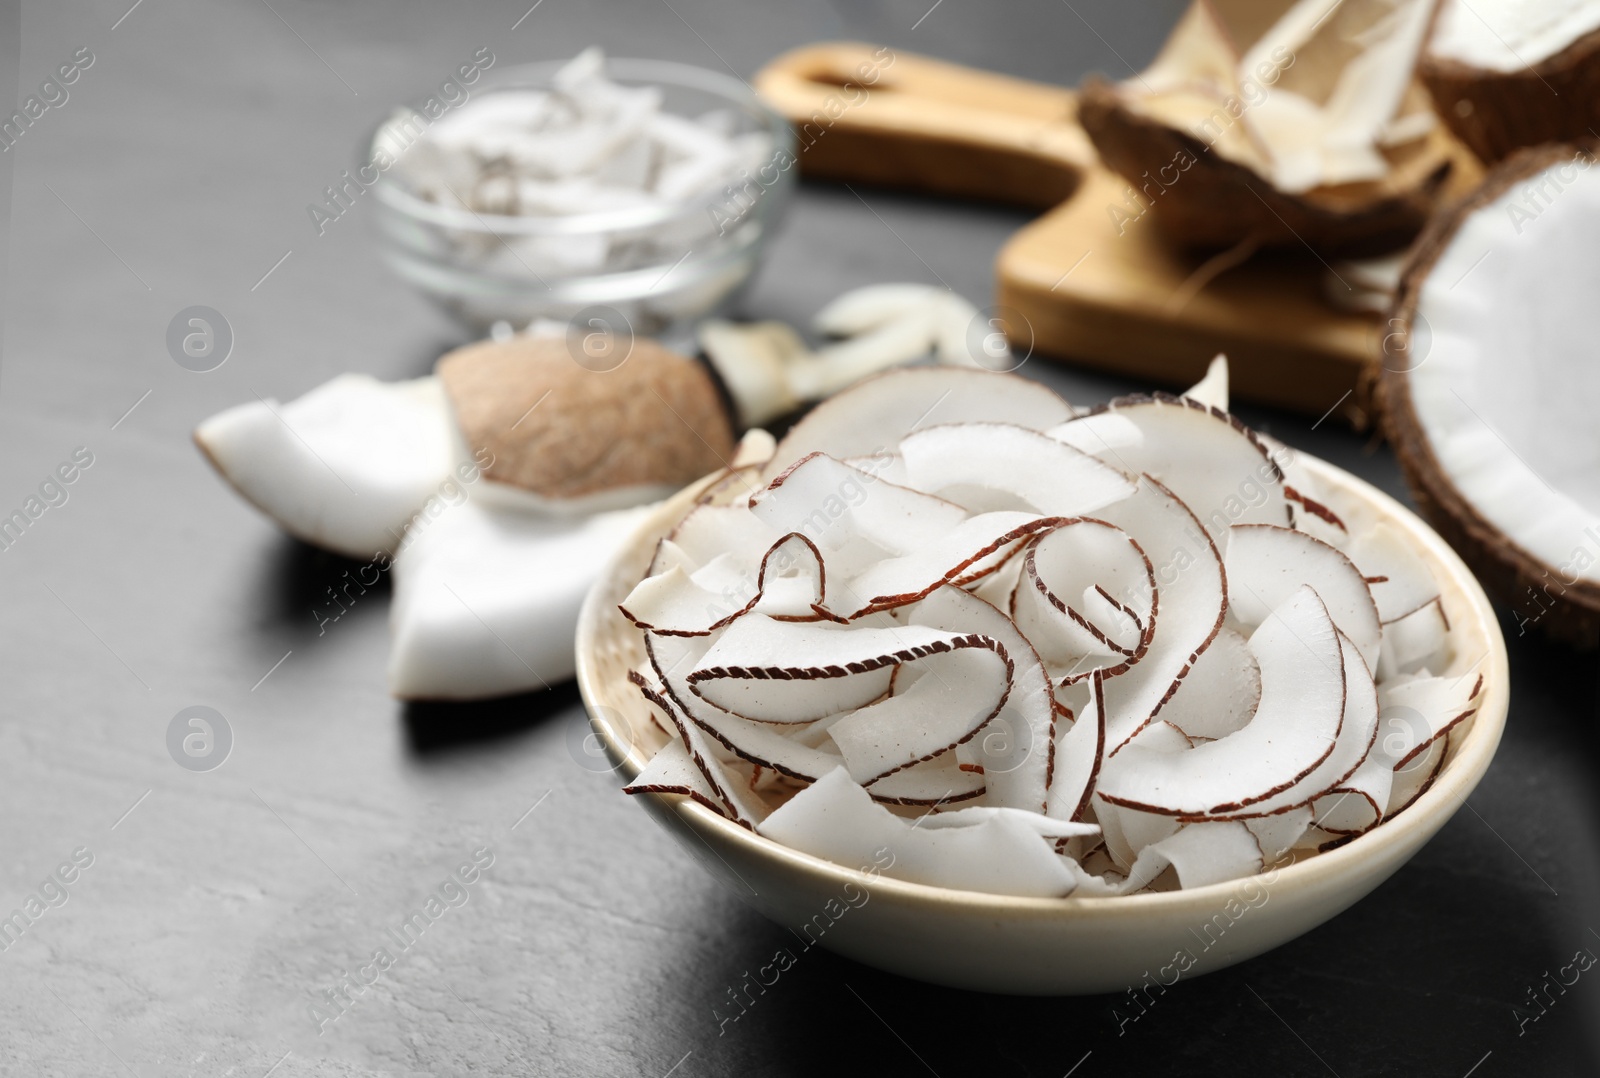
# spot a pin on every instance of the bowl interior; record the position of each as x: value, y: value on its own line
x: 608, y: 646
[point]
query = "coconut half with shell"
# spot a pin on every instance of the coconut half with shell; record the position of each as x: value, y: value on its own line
x: 1490, y: 384
x: 1506, y: 74
x: 1281, y: 125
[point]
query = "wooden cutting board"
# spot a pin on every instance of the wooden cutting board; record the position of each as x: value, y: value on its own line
x: 1092, y: 281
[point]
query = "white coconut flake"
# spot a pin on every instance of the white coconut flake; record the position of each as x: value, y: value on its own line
x: 1185, y: 614
x: 871, y: 419
x: 1221, y: 692
x: 1509, y: 35
x: 1200, y: 854
x: 1400, y: 581
x: 837, y: 820
x: 1049, y: 476
x: 1294, y: 729
x: 1014, y: 750
x: 1266, y: 564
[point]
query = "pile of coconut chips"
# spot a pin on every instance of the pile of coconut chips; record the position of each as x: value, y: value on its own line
x: 1040, y: 651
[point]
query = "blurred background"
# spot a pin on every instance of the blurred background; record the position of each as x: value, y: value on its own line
x: 218, y: 907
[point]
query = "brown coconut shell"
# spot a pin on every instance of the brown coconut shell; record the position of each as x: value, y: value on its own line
x: 563, y: 430
x: 1216, y: 202
x: 1532, y: 588
x: 1498, y: 112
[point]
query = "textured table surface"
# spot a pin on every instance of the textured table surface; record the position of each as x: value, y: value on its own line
x: 219, y: 905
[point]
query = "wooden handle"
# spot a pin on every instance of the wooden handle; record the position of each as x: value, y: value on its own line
x: 880, y: 116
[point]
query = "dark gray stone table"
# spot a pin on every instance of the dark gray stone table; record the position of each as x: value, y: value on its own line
x: 219, y: 906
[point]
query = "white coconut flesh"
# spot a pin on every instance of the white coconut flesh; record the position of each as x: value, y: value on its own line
x: 344, y: 467
x: 486, y: 600
x: 1503, y: 376
x: 1509, y: 35
x: 1105, y: 689
x: 1319, y: 94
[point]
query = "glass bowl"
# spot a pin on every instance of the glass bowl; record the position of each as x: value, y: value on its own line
x: 660, y: 268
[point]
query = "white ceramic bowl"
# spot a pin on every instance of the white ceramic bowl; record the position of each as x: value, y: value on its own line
x: 1038, y: 946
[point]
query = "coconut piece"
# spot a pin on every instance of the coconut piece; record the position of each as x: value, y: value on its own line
x: 1418, y: 711
x: 1129, y: 832
x: 1311, y: 136
x: 965, y: 553
x: 931, y: 696
x: 1212, y: 390
x: 708, y: 531
x: 879, y: 411
x: 673, y: 771
x: 1043, y: 826
x: 1049, y: 476
x: 1266, y: 564
x: 886, y: 545
x: 739, y: 804
x: 796, y: 671
x: 1278, y: 834
x: 1365, y: 284
x: 1413, y: 781
x: 1357, y: 804
x: 1221, y: 692
x: 962, y: 340
x: 791, y: 584
x: 1487, y: 396
x: 1100, y: 433
x: 1061, y: 572
x: 1506, y: 75
x: 996, y: 586
x: 906, y: 337
x: 1200, y: 854
x: 940, y: 781
x: 775, y: 747
x: 486, y: 600
x: 1185, y: 613
x: 1207, y: 458
x: 1400, y: 581
x: 1356, y: 737
x: 1014, y: 750
x: 347, y: 465
x: 1309, y: 511
x: 760, y: 743
x: 865, y: 309
x: 1077, y: 756
x: 1416, y: 641
x: 1200, y: 52
x: 1325, y: 120
x: 958, y: 696
x: 836, y: 819
x: 562, y: 430
x: 769, y: 372
x: 853, y: 517
x: 1294, y: 730
x: 753, y: 361
x: 1161, y: 737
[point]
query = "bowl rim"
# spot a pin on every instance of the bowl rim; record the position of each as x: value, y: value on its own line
x: 536, y: 75
x: 1431, y: 810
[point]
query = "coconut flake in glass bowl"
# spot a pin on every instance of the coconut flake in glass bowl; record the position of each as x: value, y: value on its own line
x: 641, y: 187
